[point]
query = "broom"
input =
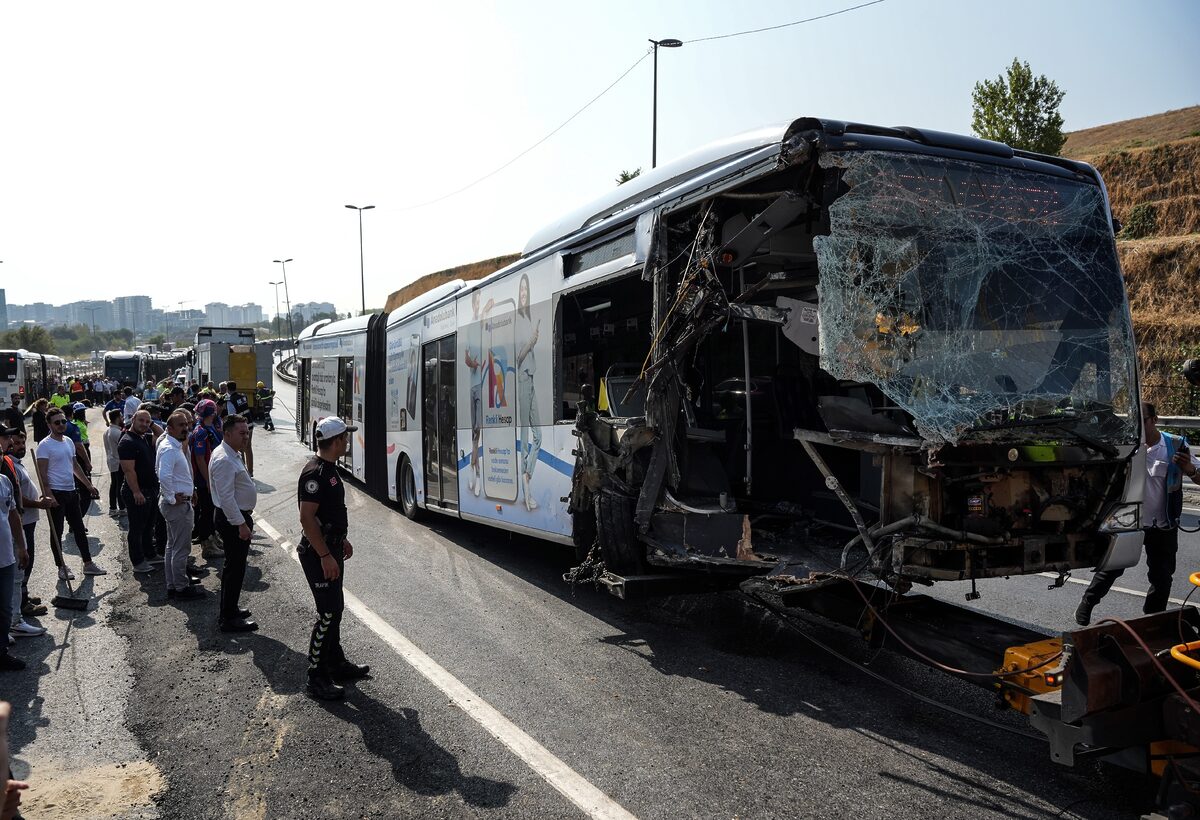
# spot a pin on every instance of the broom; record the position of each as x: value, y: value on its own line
x: 63, y: 601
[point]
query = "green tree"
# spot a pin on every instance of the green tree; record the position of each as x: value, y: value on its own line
x: 1019, y: 110
x: 33, y: 338
x: 625, y: 176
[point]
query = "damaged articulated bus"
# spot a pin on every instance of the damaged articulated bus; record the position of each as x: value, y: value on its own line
x: 832, y: 349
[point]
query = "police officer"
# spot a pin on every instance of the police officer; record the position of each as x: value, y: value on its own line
x: 323, y: 551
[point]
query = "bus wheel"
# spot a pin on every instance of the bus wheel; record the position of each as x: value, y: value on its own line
x: 408, y: 490
x: 623, y: 553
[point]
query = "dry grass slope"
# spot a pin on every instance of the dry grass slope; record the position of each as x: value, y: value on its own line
x: 1141, y: 132
x: 1151, y: 166
x: 469, y: 272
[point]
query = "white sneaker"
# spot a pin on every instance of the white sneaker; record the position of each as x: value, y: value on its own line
x: 92, y: 568
x: 26, y: 630
x: 65, y: 574
x: 530, y: 504
x: 471, y: 481
x: 478, y: 484
x: 11, y: 640
x: 143, y: 567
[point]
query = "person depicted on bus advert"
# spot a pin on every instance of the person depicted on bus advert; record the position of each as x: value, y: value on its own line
x: 323, y: 552
x: 476, y: 361
x: 531, y: 434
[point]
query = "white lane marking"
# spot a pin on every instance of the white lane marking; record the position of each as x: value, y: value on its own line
x: 1126, y: 590
x: 569, y: 783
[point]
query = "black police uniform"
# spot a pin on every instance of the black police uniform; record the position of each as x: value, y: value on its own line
x: 320, y: 483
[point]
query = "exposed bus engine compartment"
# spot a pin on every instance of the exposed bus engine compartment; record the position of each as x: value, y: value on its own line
x: 881, y: 358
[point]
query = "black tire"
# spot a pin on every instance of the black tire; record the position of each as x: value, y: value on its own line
x: 406, y: 490
x: 622, y: 551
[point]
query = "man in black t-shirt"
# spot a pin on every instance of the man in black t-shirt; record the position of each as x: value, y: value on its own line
x: 323, y: 551
x: 13, y: 417
x: 140, y: 491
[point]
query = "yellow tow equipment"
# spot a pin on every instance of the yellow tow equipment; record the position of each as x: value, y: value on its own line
x: 1179, y: 651
x: 1040, y: 676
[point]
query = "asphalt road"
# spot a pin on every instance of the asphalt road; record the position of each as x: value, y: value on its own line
x: 498, y: 690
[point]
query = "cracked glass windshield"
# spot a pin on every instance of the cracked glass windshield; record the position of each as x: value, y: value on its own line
x: 976, y: 296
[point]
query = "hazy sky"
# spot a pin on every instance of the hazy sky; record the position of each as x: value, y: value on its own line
x: 175, y: 149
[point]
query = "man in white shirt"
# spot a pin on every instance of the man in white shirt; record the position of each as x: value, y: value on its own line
x: 1168, y: 460
x: 234, y: 496
x: 12, y: 559
x: 58, y: 470
x: 175, y: 503
x: 31, y: 503
x: 132, y: 403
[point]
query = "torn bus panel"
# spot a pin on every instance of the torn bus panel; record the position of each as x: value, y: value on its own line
x: 869, y: 358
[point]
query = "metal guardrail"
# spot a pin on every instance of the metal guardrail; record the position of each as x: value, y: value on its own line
x: 286, y: 369
x: 1181, y: 422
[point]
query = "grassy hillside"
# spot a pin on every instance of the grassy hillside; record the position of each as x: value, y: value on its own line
x: 1143, y: 132
x: 1151, y: 166
x: 469, y: 272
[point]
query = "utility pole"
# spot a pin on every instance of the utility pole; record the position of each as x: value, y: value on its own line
x: 361, y: 269
x: 288, y: 301
x: 278, y: 318
x: 669, y: 42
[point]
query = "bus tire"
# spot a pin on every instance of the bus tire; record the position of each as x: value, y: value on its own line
x: 406, y: 490
x: 622, y: 551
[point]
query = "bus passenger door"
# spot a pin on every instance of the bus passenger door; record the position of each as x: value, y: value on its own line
x: 439, y: 423
x: 345, y: 408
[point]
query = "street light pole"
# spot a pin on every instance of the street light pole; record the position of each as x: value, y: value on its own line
x: 95, y: 342
x: 669, y: 42
x: 287, y: 301
x: 278, y: 320
x: 361, y: 269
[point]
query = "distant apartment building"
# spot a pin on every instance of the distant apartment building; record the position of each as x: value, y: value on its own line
x: 307, y: 310
x: 219, y: 314
x: 3, y: 311
x: 133, y: 313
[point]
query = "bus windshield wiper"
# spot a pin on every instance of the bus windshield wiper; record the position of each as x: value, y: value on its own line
x: 1061, y: 424
x: 1102, y: 447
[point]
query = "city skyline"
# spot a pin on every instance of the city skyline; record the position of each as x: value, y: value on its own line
x: 138, y: 314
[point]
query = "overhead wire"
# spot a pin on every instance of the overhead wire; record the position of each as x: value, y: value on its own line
x: 782, y: 25
x: 610, y: 87
x: 560, y: 127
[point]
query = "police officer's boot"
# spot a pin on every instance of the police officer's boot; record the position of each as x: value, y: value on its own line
x: 344, y: 671
x: 322, y: 687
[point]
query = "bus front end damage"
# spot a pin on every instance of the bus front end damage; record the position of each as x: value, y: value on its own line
x: 877, y: 359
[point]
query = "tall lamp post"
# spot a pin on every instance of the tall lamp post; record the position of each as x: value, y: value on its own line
x: 287, y: 301
x: 95, y: 342
x: 669, y: 42
x: 278, y: 320
x: 361, y: 269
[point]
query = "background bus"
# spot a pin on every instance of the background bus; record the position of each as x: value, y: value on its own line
x: 32, y: 376
x: 127, y: 367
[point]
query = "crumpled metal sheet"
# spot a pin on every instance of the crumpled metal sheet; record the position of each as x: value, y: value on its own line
x: 965, y: 290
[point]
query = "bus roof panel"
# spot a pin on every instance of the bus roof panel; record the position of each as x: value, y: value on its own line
x: 425, y: 300
x: 355, y: 324
x: 654, y: 182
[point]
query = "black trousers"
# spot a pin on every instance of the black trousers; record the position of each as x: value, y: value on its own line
x: 203, y: 526
x: 237, y: 552
x: 141, y: 523
x: 1161, y: 548
x: 29, y: 528
x: 115, y: 480
x: 325, y: 645
x: 68, y: 510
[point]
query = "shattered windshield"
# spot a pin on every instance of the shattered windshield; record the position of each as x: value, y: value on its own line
x: 976, y: 296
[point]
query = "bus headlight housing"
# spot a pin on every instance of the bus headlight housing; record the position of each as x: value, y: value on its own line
x: 1122, y: 518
